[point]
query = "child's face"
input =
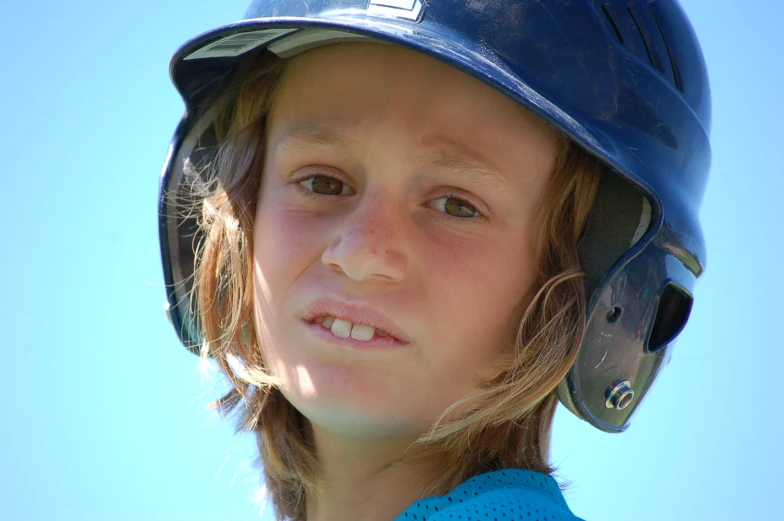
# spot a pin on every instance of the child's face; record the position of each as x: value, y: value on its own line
x: 428, y: 221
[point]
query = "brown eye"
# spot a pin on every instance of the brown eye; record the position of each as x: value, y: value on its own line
x: 455, y: 207
x: 326, y: 185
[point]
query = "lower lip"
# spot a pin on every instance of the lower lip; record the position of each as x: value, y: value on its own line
x: 377, y: 342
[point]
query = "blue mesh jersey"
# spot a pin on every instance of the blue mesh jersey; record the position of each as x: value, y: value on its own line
x: 501, y: 495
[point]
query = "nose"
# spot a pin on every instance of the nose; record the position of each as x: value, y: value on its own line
x: 369, y: 243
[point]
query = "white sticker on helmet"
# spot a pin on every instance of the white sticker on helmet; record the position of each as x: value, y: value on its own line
x: 237, y: 44
x: 408, y: 9
x: 311, y: 38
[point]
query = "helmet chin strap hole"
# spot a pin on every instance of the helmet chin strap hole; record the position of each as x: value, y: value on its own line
x: 613, y: 314
x: 671, y: 316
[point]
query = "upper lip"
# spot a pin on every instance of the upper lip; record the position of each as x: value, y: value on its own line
x: 355, y: 313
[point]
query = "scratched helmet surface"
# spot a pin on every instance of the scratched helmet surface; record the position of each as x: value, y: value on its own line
x: 626, y: 80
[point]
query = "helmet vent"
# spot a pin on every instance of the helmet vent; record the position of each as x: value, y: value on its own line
x: 636, y: 27
x: 606, y: 8
x: 671, y: 316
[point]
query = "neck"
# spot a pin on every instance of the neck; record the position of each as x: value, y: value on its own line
x: 363, y: 478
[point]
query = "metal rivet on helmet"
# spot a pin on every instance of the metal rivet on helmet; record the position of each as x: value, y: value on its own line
x: 619, y: 396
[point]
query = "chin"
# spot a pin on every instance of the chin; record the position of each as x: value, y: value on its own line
x: 341, y: 401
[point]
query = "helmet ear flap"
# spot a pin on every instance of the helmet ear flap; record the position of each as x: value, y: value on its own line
x: 621, y: 215
x: 187, y: 179
x: 619, y: 218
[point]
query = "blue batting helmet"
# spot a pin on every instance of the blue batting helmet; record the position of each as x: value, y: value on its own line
x: 624, y: 79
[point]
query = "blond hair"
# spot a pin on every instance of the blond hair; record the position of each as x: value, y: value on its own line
x: 505, y: 424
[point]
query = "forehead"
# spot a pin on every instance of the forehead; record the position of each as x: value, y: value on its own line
x: 382, y: 100
x: 356, y: 83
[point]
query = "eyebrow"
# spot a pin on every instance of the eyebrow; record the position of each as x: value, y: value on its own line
x: 303, y: 136
x: 446, y: 154
x: 470, y: 166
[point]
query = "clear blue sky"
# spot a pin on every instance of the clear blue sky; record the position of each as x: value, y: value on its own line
x: 103, y: 415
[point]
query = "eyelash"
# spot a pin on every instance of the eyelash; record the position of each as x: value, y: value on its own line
x: 313, y: 195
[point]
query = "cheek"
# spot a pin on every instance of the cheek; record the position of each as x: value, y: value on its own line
x: 280, y: 234
x: 285, y: 244
x: 286, y: 240
x: 474, y: 296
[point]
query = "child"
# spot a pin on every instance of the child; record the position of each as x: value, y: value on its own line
x: 419, y: 225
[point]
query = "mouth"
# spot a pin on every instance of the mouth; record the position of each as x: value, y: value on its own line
x: 344, y: 329
x: 353, y: 324
x: 358, y: 336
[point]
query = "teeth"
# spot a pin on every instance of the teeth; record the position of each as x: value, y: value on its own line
x: 341, y: 328
x: 360, y: 332
x: 345, y: 329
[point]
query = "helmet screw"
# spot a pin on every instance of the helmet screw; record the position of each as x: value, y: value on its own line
x: 619, y: 395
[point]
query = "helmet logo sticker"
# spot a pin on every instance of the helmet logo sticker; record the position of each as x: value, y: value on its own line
x: 237, y: 44
x: 407, y: 9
